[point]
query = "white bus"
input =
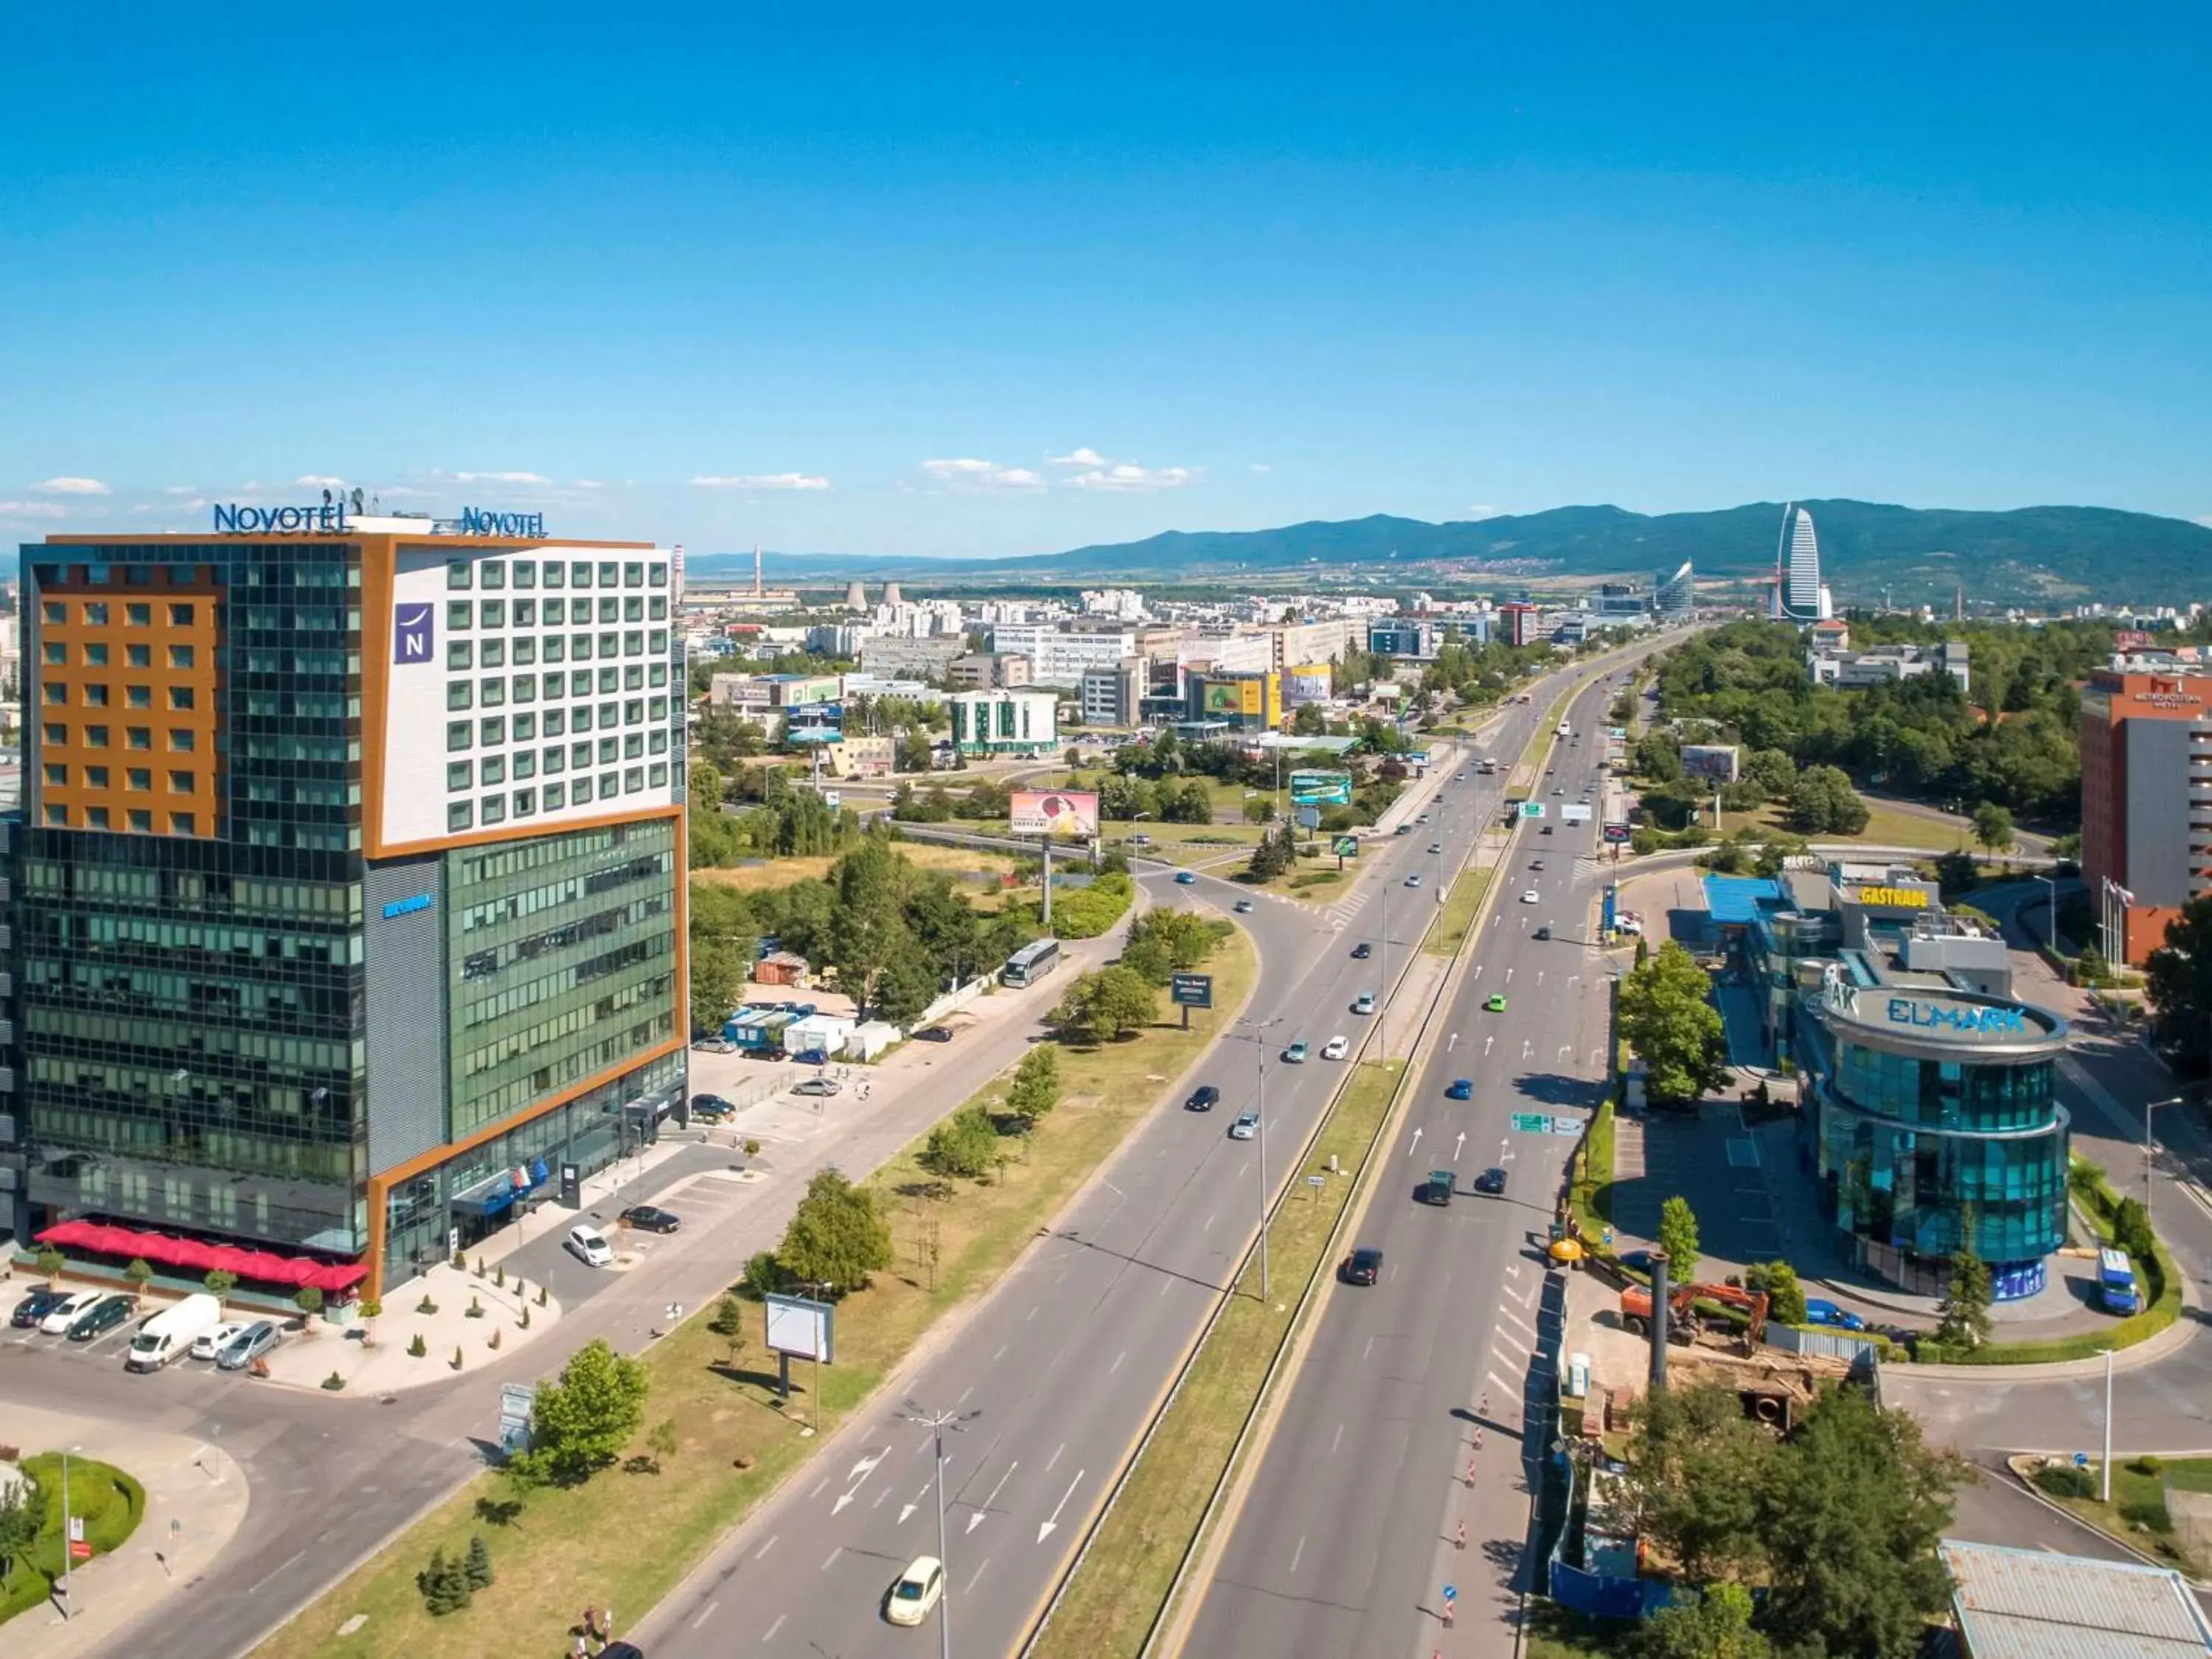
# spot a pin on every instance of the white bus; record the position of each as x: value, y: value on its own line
x: 1031, y: 963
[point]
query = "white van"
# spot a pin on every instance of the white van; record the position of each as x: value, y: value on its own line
x: 170, y: 1334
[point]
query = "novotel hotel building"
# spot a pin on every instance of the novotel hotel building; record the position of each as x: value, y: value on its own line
x: 347, y: 890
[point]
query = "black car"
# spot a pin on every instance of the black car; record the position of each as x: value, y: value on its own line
x: 1541, y: 933
x: 1362, y: 950
x: 36, y: 1306
x: 1490, y: 1182
x: 650, y: 1219
x: 933, y: 1034
x: 102, y: 1316
x: 1363, y: 1267
x: 711, y: 1106
x: 1202, y: 1098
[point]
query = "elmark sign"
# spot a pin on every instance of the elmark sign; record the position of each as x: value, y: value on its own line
x: 1971, y: 1020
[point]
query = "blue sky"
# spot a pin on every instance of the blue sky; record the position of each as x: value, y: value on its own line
x: 1012, y: 279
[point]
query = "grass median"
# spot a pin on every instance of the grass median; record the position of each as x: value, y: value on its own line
x: 1458, y: 914
x: 1113, y: 1599
x: 628, y: 1536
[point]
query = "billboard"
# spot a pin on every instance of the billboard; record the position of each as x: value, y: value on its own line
x: 1308, y: 683
x: 1068, y: 814
x: 1191, y: 990
x: 1310, y: 788
x: 1714, y: 763
x: 802, y: 1327
x: 1616, y: 833
x: 814, y: 722
x: 2130, y: 639
x: 1573, y: 814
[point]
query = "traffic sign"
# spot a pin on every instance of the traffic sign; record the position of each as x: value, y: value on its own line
x: 1532, y: 809
x: 1452, y: 1594
x: 1533, y: 1123
x: 1309, y: 817
x: 1316, y: 1181
x: 1566, y: 1126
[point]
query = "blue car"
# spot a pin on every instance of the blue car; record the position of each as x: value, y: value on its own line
x: 1460, y: 1088
x: 1819, y: 1310
x: 1186, y: 878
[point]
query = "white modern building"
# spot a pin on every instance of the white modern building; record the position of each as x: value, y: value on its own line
x: 1057, y: 658
x: 1799, y: 595
x: 1014, y: 722
x: 1847, y: 670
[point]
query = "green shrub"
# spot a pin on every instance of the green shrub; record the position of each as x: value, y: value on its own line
x: 2147, y: 1513
x: 2064, y: 1480
x: 418, y: 1346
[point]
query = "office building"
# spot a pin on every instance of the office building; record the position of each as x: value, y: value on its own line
x: 1519, y: 623
x: 987, y: 670
x: 349, y: 889
x: 1884, y: 665
x: 762, y: 695
x: 1115, y: 696
x: 1931, y: 1117
x: 923, y: 657
x: 1674, y: 596
x: 1015, y: 722
x: 1058, y: 658
x: 1327, y: 640
x: 1244, y: 701
x: 1403, y: 636
x: 1799, y: 595
x: 2145, y: 803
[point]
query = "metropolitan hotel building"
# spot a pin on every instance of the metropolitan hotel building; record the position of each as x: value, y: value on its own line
x: 346, y: 891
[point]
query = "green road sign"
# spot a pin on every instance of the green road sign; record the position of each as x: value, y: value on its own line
x: 1532, y: 809
x: 1533, y: 1123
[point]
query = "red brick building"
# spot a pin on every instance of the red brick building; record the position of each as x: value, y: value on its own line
x: 2146, y: 801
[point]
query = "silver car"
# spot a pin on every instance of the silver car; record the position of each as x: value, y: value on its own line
x: 249, y: 1345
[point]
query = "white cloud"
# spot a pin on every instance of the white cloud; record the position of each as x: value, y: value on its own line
x: 503, y: 478
x: 1085, y: 456
x: 968, y: 473
x: 1128, y: 475
x: 589, y: 483
x: 72, y: 487
x: 319, y: 481
x: 32, y: 510
x: 764, y: 480
x: 181, y: 489
x: 1484, y: 510
x: 1263, y: 466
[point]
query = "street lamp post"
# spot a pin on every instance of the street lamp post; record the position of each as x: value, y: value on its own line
x: 69, y: 1542
x: 937, y: 1423
x: 2150, y: 1150
x: 2050, y: 914
x: 1259, y: 1028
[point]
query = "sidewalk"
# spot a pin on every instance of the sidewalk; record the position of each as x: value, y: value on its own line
x: 196, y: 1497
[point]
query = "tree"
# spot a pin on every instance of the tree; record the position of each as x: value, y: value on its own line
x: 1965, y: 1310
x: 1678, y: 1237
x: 582, y: 1421
x: 309, y: 1300
x: 1785, y: 1295
x: 1036, y: 1089
x: 1106, y: 1004
x: 23, y: 1518
x: 50, y: 1263
x: 371, y: 1310
x: 2131, y: 1229
x: 477, y: 1568
x: 866, y: 928
x: 2178, y: 979
x: 220, y: 1282
x: 1956, y: 873
x: 906, y: 988
x: 1668, y: 1018
x: 1700, y: 1472
x: 728, y: 1322
x: 718, y: 980
x: 963, y: 1145
x: 1854, y: 1506
x: 838, y: 1236
x: 1992, y: 827
x: 661, y: 1443
x: 444, y: 1585
x: 1823, y: 800
x: 1277, y: 852
x: 1714, y: 1623
x: 140, y: 1273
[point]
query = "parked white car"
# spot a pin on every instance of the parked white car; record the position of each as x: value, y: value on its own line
x: 589, y: 1246
x: 215, y: 1341
x: 57, y: 1322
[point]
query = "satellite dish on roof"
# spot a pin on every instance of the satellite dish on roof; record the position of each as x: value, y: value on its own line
x: 357, y: 499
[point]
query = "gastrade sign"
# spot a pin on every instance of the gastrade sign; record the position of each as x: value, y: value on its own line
x: 1902, y: 898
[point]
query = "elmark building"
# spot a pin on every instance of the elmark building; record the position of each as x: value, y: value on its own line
x: 349, y: 892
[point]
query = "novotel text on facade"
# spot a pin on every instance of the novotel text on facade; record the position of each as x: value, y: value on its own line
x: 1967, y: 1022
x: 233, y: 519
x: 475, y: 521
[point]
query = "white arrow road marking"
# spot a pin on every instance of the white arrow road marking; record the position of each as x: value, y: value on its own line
x: 1508, y: 977
x: 1524, y: 1050
x: 1477, y: 971
x: 1451, y: 1043
x: 1540, y: 976
x: 1486, y: 1042
x: 977, y: 1519
x: 905, y: 1509
x: 1045, y: 1528
x: 1459, y: 1147
x: 1414, y: 1145
x: 861, y: 1471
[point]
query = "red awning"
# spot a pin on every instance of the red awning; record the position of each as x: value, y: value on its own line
x: 261, y: 1267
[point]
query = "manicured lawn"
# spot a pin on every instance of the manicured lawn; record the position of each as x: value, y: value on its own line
x: 1591, y: 1193
x: 1457, y: 916
x: 1887, y: 827
x: 1111, y: 1605
x: 625, y: 1539
x: 2137, y: 1514
x: 109, y: 1503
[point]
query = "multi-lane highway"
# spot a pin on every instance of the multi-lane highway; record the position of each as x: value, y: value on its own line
x: 1349, y: 1530
x: 1059, y: 1368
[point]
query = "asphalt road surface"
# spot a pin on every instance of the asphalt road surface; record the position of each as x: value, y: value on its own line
x: 1350, y: 1531
x: 1060, y: 1367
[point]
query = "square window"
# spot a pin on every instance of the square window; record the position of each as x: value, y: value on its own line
x: 458, y: 775
x: 634, y: 642
x: 492, y: 809
x: 494, y: 654
x: 493, y: 770
x: 95, y: 777
x: 180, y: 783
x: 552, y: 573
x: 657, y: 674
x: 138, y: 777
x: 656, y: 774
x: 556, y: 721
x: 54, y: 692
x: 138, y: 696
x: 137, y: 737
x: 525, y: 688
x: 633, y: 779
x: 656, y: 607
x: 458, y: 733
x: 634, y: 608
x: 183, y: 823
x: 491, y: 575
x: 458, y: 815
x: 141, y: 821
x: 96, y: 696
x: 554, y: 795
x: 180, y: 696
x: 460, y: 654
x: 634, y: 712
x: 95, y: 737
x: 633, y: 677
x: 634, y: 745
x: 180, y: 656
x: 57, y: 817
x: 57, y: 776
x: 610, y: 785
x: 555, y: 648
x: 609, y: 608
x: 57, y: 736
x: 609, y: 574
x: 180, y: 616
x: 610, y: 715
x: 657, y: 710
x: 95, y: 654
x: 458, y: 613
x: 457, y: 575
x: 525, y: 727
x: 608, y: 679
x: 95, y: 615
x: 609, y: 752
x: 526, y: 572
x: 96, y: 817
x: 526, y: 651
x: 492, y: 613
x: 554, y: 759
x: 656, y: 575
x: 634, y: 574
x: 56, y: 613
x: 580, y: 647
x: 57, y: 653
x: 492, y: 730
x: 610, y: 645
x: 138, y: 656
x: 657, y: 740
x: 525, y: 613
x: 460, y: 694
x: 580, y: 574
x: 183, y: 740
x: 580, y: 718
x: 580, y: 611
x: 580, y: 682
x: 581, y: 754
x: 492, y: 693
x: 525, y: 802
x: 525, y: 763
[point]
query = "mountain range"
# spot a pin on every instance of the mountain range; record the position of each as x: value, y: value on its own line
x: 1915, y: 554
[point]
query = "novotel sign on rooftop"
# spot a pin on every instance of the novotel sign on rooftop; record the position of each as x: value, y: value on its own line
x: 231, y: 518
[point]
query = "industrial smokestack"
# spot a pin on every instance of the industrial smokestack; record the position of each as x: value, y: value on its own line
x: 1659, y: 1312
x: 758, y: 589
x: 856, y: 597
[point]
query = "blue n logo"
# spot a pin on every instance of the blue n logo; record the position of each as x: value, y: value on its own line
x: 411, y: 633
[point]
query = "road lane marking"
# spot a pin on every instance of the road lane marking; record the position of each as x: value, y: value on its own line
x: 1001, y: 1354
x: 984, y: 1509
x: 1366, y: 1350
x: 760, y: 1554
x: 1523, y: 1300
x: 1116, y: 1365
x: 705, y: 1616
x: 968, y: 1589
x: 830, y: 1560
x: 1299, y: 1554
x: 1166, y: 1285
x: 1209, y: 1223
x: 1506, y: 1337
x: 1045, y: 1529
x: 1056, y: 1451
x: 819, y: 1485
x: 769, y: 1635
x: 1339, y: 1439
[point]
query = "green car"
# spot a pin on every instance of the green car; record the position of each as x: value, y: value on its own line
x: 1496, y: 1003
x: 1295, y: 1054
x: 102, y: 1316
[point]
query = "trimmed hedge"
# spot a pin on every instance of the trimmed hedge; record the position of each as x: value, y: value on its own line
x: 1087, y: 912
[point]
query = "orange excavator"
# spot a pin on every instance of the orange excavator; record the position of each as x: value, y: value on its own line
x: 1682, y: 1311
